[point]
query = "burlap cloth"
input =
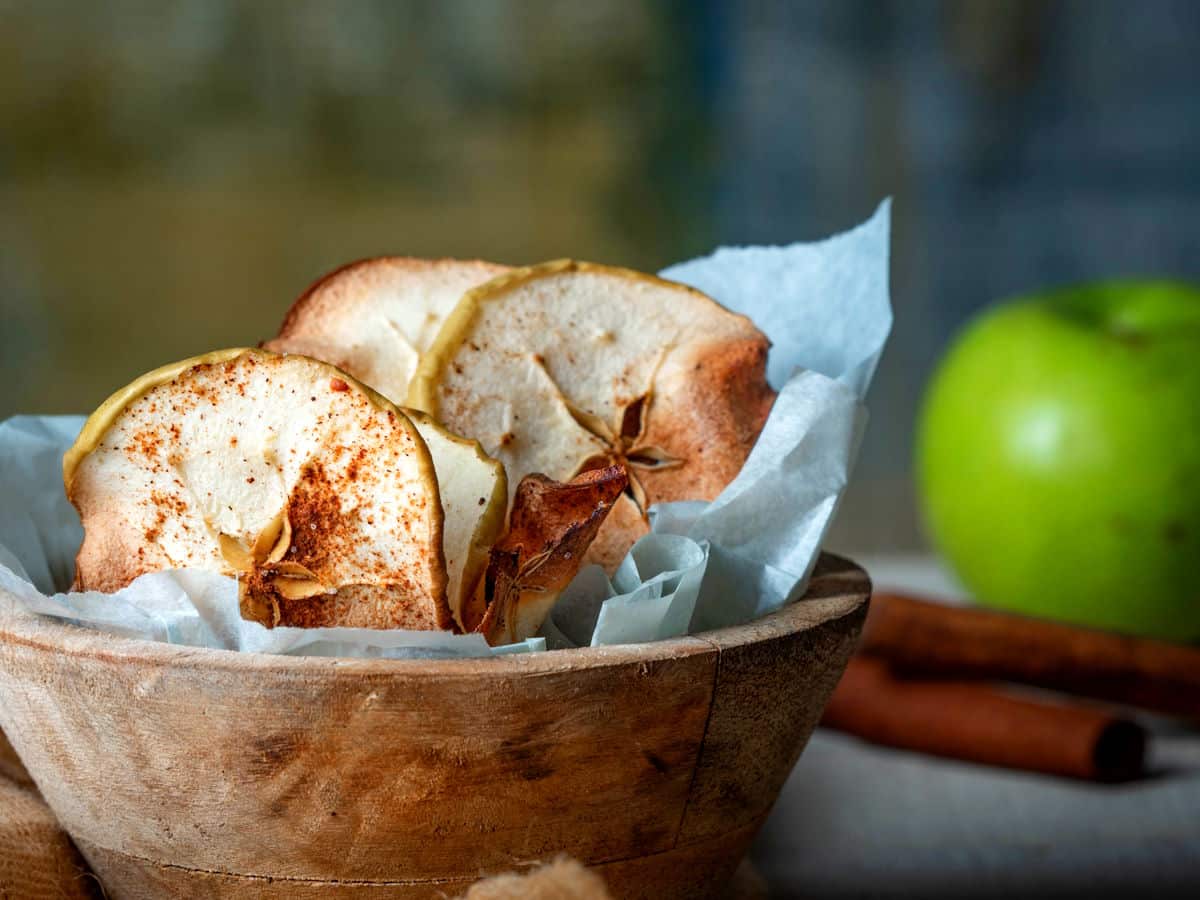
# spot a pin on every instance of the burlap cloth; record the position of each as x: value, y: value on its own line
x: 37, y: 859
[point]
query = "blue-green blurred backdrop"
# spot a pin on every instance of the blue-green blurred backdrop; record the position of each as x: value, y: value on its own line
x: 173, y: 172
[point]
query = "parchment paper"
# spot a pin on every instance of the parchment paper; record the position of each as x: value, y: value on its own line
x: 825, y: 308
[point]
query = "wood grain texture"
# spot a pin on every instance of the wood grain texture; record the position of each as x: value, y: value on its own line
x: 224, y: 772
x: 36, y: 856
x: 774, y: 678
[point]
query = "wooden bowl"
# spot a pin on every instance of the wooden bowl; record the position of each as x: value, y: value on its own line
x: 208, y: 773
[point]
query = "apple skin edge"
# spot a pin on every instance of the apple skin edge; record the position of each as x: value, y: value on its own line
x: 1058, y: 458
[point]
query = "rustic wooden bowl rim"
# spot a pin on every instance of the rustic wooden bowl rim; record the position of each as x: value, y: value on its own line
x: 45, y: 633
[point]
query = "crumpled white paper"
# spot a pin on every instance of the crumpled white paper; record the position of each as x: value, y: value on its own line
x: 40, y: 532
x: 825, y: 308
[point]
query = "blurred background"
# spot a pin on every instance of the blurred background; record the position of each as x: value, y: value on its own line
x: 174, y: 172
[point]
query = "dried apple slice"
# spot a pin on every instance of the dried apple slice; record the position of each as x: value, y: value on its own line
x: 551, y: 526
x: 374, y: 318
x: 566, y: 366
x: 474, y: 492
x: 315, y: 491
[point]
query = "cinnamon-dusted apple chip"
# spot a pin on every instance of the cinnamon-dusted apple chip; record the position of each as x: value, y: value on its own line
x: 316, y: 492
x: 550, y: 529
x: 567, y: 366
x: 373, y: 318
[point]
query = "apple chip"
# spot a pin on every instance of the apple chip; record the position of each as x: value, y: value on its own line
x: 373, y: 318
x: 550, y: 528
x: 567, y: 366
x: 316, y: 492
x: 474, y: 494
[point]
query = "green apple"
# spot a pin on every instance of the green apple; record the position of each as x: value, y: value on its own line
x: 1058, y: 456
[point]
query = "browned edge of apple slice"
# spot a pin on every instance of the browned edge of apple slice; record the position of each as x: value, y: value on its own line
x: 551, y: 525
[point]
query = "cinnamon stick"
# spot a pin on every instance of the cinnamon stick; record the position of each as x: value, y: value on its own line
x: 921, y: 638
x: 976, y: 723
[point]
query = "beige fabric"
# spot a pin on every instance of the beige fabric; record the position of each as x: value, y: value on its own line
x: 563, y: 879
x: 37, y: 858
